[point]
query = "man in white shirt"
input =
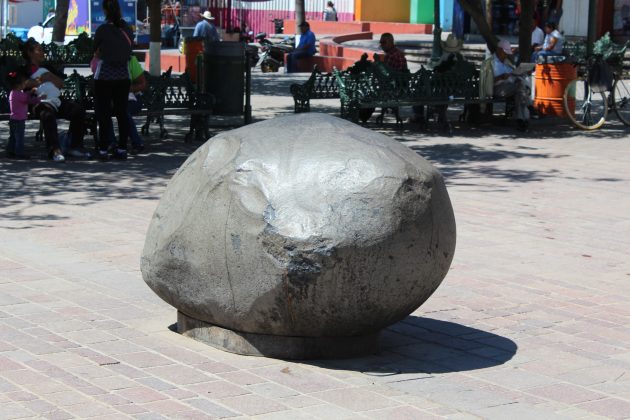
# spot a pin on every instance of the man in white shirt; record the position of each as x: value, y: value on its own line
x: 507, y: 84
x: 538, y: 36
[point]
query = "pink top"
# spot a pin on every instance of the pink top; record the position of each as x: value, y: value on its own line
x: 19, y: 101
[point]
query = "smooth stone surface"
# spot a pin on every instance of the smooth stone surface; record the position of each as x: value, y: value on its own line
x: 302, y: 226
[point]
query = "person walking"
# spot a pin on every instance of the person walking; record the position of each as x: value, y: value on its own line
x: 206, y: 30
x: 112, y: 48
x: 19, y: 100
x: 330, y: 13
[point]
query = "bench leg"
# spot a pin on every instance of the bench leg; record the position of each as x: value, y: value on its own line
x: 92, y: 126
x: 381, y: 117
x: 302, y: 105
x: 198, y: 129
x: 39, y: 136
x: 145, y: 128
x: 399, y: 121
x: 163, y: 132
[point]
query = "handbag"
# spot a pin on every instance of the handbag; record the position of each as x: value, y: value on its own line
x: 94, y: 63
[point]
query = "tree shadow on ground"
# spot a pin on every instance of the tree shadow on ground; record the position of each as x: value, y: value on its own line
x: 25, y: 185
x: 497, y: 126
x: 425, y: 345
x: 459, y: 163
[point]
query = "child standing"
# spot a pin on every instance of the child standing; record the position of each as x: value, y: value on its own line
x: 19, y: 102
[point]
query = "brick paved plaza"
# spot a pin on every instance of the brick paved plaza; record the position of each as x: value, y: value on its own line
x: 532, y: 321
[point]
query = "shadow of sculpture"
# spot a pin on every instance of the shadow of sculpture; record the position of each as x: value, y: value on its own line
x: 418, y: 345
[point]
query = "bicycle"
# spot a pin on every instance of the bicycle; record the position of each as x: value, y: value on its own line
x: 586, y: 107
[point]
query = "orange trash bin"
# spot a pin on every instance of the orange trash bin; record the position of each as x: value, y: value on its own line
x: 551, y: 81
x: 193, y: 46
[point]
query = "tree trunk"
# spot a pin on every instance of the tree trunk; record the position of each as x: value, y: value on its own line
x: 488, y: 10
x: 155, y: 19
x: 475, y: 10
x: 299, y: 15
x: 437, y: 34
x: 525, y: 30
x: 61, y: 21
x: 155, y: 31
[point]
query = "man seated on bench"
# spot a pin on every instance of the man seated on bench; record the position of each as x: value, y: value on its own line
x: 306, y: 47
x: 507, y: 84
x: 394, y: 58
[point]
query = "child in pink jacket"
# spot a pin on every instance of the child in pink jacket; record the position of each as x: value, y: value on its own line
x: 19, y: 100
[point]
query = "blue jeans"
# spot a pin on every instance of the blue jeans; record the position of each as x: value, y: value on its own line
x: 133, y: 107
x: 15, y: 145
x: 543, y: 53
x: 292, y: 59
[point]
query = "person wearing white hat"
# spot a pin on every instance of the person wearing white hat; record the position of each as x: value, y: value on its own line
x: 507, y: 84
x: 206, y: 30
x: 452, y: 45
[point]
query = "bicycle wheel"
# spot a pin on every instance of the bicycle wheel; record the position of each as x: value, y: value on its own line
x: 585, y: 108
x: 621, y: 100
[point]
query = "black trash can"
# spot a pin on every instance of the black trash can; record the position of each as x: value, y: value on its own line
x: 225, y: 76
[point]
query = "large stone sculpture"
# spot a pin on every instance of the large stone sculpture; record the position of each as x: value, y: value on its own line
x: 299, y: 237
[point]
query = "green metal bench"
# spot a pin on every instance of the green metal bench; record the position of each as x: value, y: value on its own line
x: 165, y: 95
x: 318, y: 86
x: 373, y: 84
x: 77, y: 53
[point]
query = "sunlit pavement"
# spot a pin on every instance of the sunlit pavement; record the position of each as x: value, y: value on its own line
x: 532, y: 321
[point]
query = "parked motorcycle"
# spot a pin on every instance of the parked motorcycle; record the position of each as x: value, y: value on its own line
x: 272, y: 57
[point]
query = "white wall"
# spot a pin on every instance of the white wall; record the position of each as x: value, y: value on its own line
x: 574, y: 21
x: 27, y: 14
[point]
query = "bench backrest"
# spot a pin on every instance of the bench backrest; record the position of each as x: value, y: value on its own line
x: 77, y: 52
x: 377, y: 82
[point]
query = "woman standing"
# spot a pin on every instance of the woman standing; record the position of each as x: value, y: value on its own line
x: 112, y: 48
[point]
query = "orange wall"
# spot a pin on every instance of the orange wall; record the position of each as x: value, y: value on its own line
x: 382, y: 11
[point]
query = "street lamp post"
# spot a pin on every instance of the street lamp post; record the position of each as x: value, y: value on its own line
x: 436, y: 53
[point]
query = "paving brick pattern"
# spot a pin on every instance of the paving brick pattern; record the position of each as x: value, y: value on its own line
x: 532, y: 321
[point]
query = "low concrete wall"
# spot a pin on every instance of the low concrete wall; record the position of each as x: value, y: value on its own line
x: 340, y: 28
x: 399, y: 28
x: 169, y: 58
x: 332, y: 54
x: 333, y: 46
x: 326, y: 28
x: 324, y: 63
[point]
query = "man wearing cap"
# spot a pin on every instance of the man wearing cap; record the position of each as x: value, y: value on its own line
x: 507, y: 84
x: 306, y: 47
x: 206, y: 30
